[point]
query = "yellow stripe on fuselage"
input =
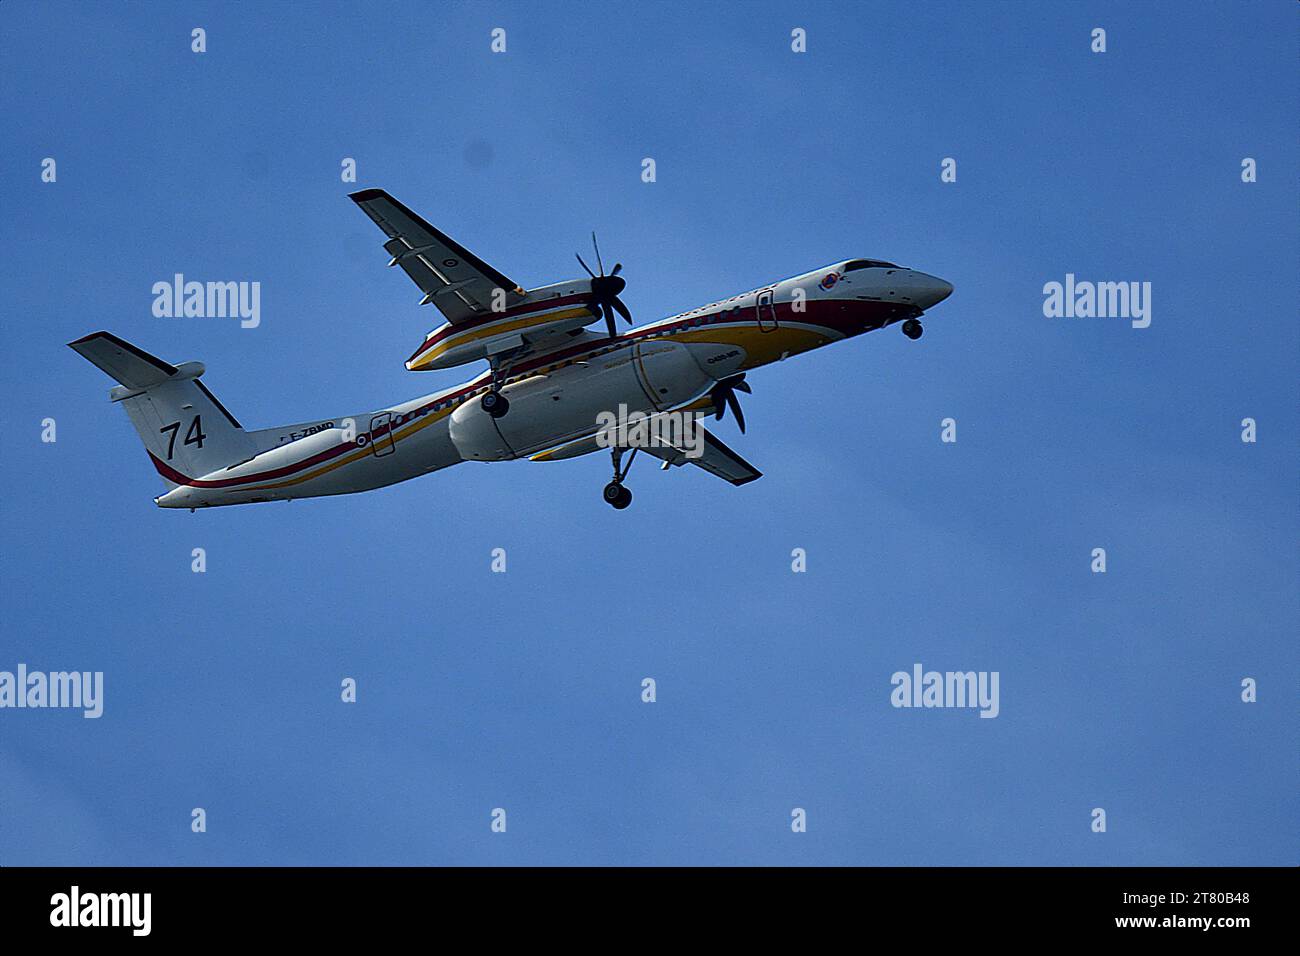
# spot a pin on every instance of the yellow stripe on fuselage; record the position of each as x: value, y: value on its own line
x: 760, y: 347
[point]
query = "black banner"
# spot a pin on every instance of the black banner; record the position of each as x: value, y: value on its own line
x: 331, y: 905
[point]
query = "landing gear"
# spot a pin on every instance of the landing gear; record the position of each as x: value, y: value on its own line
x: 615, y: 494
x: 495, y: 404
x: 912, y: 329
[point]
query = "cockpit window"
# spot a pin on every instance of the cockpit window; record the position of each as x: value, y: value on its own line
x: 868, y: 264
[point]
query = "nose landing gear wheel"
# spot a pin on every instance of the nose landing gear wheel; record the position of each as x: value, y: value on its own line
x: 618, y: 496
x: 495, y: 404
x: 912, y: 329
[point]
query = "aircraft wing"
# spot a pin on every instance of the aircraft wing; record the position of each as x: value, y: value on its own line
x: 458, y: 282
x: 717, y: 459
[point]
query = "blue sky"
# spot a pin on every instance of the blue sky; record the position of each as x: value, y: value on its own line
x: 522, y: 690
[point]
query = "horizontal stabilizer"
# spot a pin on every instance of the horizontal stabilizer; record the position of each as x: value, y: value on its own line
x: 132, y: 367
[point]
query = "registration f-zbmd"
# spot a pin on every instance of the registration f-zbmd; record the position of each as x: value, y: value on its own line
x: 549, y: 379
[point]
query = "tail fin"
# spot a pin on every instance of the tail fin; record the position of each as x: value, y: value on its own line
x: 187, y: 432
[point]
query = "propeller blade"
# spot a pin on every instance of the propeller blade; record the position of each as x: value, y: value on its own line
x: 735, y: 409
x: 622, y: 310
x: 718, y: 406
x: 605, y: 302
x: 743, y: 386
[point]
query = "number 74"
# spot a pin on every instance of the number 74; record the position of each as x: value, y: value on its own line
x: 194, y: 436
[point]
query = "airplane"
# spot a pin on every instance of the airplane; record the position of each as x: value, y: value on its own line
x: 548, y: 381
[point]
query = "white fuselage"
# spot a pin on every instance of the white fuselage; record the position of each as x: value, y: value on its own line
x: 556, y: 395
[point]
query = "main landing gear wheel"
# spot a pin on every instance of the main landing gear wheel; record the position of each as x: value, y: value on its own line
x: 912, y: 329
x: 618, y: 496
x: 615, y: 494
x: 495, y: 404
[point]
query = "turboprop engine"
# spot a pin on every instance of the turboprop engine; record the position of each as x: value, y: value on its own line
x: 549, y: 409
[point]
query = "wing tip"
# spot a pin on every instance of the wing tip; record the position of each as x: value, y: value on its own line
x: 101, y: 334
x: 365, y: 195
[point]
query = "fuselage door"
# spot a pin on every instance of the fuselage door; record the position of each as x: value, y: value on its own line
x: 381, y: 434
x: 766, y: 312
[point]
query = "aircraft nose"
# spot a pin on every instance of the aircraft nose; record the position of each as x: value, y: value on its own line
x: 931, y: 290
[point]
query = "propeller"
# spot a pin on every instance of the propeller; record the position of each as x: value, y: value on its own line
x: 724, y: 397
x: 605, y: 289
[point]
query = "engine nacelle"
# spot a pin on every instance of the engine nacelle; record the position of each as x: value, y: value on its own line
x: 475, y: 434
x: 549, y: 409
x: 546, y: 312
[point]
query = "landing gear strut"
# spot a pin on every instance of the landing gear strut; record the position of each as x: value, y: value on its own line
x: 615, y: 494
x: 912, y: 329
x: 494, y: 403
